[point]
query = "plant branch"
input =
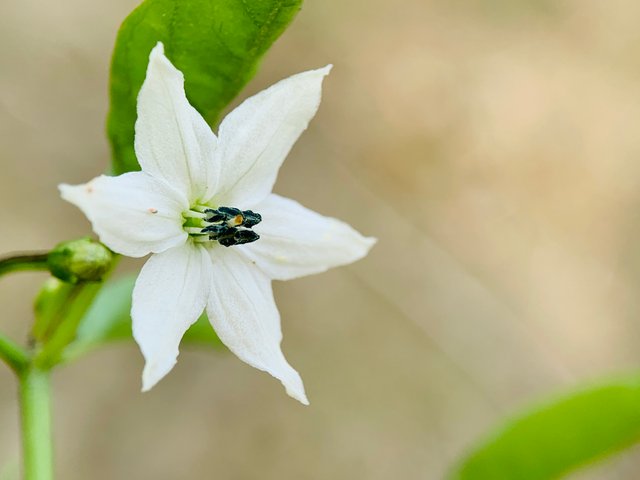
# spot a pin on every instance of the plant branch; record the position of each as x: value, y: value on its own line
x: 12, y: 354
x: 26, y: 261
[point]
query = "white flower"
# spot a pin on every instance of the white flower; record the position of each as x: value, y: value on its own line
x: 175, y: 209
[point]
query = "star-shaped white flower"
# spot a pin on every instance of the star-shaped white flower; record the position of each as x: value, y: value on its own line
x: 203, y: 207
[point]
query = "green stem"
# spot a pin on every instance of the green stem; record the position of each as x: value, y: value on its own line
x: 77, y: 304
x: 12, y: 354
x: 28, y: 261
x: 64, y: 321
x: 35, y: 404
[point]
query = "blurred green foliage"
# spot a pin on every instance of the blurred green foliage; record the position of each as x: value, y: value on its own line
x: 109, y: 320
x: 216, y: 44
x: 553, y: 439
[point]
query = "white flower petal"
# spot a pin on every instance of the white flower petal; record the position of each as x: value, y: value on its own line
x: 172, y: 140
x: 133, y: 214
x: 245, y: 317
x: 295, y: 241
x: 169, y: 296
x: 255, y: 138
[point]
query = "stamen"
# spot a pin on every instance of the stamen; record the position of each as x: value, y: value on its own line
x: 227, y: 225
x: 199, y: 208
x: 195, y: 231
x: 239, y: 237
x: 235, y: 221
x: 214, y: 216
x: 251, y: 218
x: 215, y: 230
x: 193, y: 214
x: 201, y: 239
x: 233, y: 217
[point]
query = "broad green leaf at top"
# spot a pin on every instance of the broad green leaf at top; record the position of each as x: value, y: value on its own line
x: 554, y: 439
x: 217, y: 44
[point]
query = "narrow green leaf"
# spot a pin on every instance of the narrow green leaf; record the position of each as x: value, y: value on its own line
x: 216, y: 43
x: 109, y: 320
x: 558, y: 437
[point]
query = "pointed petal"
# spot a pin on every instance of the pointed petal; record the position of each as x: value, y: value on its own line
x: 172, y: 140
x: 133, y: 214
x: 295, y: 241
x: 245, y: 317
x: 255, y: 138
x: 169, y: 296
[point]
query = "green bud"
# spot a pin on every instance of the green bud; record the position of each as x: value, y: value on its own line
x: 82, y: 260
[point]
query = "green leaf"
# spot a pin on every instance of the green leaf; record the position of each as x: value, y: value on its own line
x: 109, y: 320
x: 216, y: 43
x: 560, y: 436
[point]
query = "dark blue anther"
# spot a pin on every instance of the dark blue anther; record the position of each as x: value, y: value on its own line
x: 231, y: 226
x: 247, y: 218
x: 230, y: 212
x: 235, y: 236
x: 251, y: 218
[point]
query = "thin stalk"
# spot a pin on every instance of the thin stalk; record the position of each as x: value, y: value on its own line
x: 27, y: 261
x: 12, y: 354
x: 67, y: 319
x: 35, y: 409
x: 76, y: 306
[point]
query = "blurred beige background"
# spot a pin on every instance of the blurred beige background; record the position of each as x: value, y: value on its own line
x: 491, y: 145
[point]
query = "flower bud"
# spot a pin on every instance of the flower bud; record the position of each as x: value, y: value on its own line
x: 82, y: 260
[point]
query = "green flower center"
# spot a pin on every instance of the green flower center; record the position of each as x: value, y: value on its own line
x: 228, y: 226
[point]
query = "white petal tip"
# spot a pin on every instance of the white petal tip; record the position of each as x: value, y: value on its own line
x: 154, y: 372
x: 157, y: 50
x: 364, y: 246
x: 64, y: 189
x: 159, y: 65
x: 298, y: 394
x: 292, y: 383
x: 76, y: 193
x: 315, y: 75
x: 370, y: 242
x: 147, y: 382
x: 325, y: 70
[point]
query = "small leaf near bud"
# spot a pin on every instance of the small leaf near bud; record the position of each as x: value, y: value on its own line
x: 82, y: 260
